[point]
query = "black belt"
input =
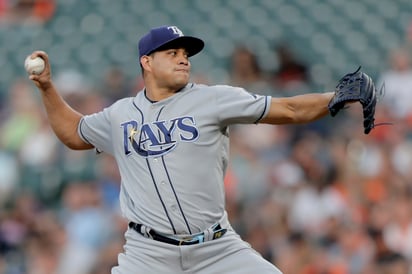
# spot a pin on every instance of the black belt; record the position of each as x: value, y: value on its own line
x: 217, y: 231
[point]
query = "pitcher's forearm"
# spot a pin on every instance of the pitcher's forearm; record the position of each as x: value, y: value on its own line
x: 311, y: 107
x: 63, y: 119
x: 298, y: 109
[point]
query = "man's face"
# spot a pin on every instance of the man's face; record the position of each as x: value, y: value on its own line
x: 170, y: 68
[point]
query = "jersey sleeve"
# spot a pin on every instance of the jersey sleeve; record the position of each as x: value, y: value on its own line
x: 95, y: 129
x: 238, y: 106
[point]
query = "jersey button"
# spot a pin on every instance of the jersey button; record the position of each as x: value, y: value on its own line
x: 173, y: 207
x: 155, y: 160
x: 163, y: 183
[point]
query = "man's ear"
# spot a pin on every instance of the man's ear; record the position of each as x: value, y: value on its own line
x: 145, y: 62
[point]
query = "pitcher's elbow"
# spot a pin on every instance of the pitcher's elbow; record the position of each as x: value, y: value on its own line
x: 75, y: 143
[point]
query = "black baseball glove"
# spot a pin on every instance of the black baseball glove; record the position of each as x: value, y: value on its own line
x: 356, y: 86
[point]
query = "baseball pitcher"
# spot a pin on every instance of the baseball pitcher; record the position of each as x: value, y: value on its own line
x: 171, y: 144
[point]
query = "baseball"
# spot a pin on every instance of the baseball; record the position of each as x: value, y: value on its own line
x: 34, y: 66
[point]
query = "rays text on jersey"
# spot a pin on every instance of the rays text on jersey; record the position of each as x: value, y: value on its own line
x: 159, y: 137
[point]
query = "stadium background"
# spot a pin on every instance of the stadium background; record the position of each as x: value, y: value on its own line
x: 333, y: 36
x: 53, y: 201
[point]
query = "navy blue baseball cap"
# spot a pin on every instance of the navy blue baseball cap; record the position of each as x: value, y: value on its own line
x: 168, y: 37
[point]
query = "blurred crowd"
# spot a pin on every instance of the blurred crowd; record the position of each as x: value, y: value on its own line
x: 320, y: 198
x: 26, y: 11
x: 324, y: 198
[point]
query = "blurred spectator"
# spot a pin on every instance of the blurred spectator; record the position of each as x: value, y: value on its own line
x: 323, y: 262
x: 38, y: 151
x: 393, y: 264
x: 72, y: 83
x: 107, y: 257
x: 109, y: 182
x: 386, y: 260
x: 88, y: 227
x: 9, y: 176
x: 115, y: 85
x: 44, y: 244
x: 353, y: 246
x: 397, y: 82
x: 295, y: 254
x: 292, y: 75
x: 408, y: 37
x: 398, y: 233
x: 26, y: 11
x: 247, y: 167
x: 317, y: 200
x: 22, y: 116
x: 313, y: 208
x: 401, y: 155
x: 15, y: 228
x: 245, y: 72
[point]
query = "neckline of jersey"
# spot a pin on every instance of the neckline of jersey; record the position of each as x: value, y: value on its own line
x: 167, y: 99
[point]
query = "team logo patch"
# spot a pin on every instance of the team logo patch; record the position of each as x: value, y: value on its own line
x: 157, y: 138
x: 176, y: 30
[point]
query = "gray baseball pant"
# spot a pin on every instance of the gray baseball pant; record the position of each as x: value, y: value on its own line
x: 226, y: 255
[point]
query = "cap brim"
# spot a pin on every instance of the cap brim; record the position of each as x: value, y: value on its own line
x: 192, y: 44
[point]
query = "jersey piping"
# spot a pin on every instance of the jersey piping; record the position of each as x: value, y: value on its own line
x: 171, y: 185
x: 264, y: 110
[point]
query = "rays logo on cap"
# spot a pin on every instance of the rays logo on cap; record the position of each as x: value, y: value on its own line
x: 164, y: 36
x: 176, y: 30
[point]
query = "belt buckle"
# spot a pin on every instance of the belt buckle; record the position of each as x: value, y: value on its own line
x: 185, y: 240
x: 192, y: 239
x: 217, y: 232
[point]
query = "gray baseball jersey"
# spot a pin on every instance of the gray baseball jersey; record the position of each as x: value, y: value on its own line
x: 173, y: 154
